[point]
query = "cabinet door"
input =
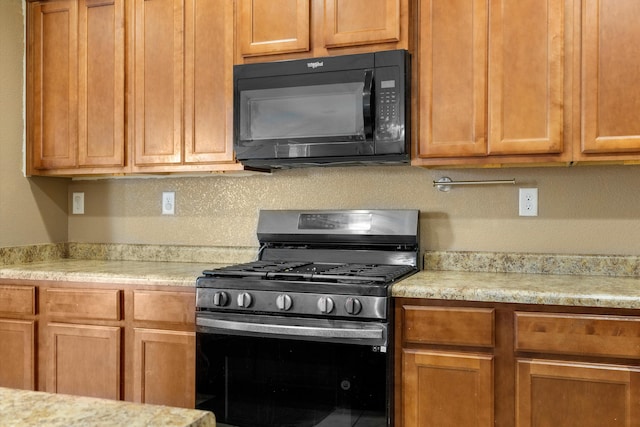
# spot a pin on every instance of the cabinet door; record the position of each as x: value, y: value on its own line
x: 208, y: 120
x: 269, y: 27
x: 159, y: 64
x: 84, y: 360
x: 101, y: 83
x: 563, y: 394
x: 355, y: 22
x: 164, y: 367
x: 452, y: 78
x: 17, y: 353
x: 611, y: 72
x: 447, y: 389
x: 53, y: 131
x: 526, y: 74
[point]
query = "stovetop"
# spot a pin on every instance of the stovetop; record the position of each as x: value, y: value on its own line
x: 314, y: 272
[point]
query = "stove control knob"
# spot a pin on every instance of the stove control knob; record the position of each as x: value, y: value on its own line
x: 220, y: 299
x: 353, y: 306
x: 325, y: 305
x: 284, y: 302
x: 245, y: 299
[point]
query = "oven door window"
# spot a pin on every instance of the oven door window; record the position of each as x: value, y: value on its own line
x: 304, y: 115
x: 266, y: 382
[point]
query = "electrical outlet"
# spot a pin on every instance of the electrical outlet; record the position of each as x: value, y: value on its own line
x: 528, y: 202
x: 77, y: 203
x: 168, y: 203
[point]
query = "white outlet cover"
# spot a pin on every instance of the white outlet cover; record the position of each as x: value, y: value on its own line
x: 528, y: 202
x: 168, y: 203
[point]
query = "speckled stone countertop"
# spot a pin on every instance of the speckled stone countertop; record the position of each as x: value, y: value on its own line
x: 108, y: 271
x: 573, y: 280
x: 550, y: 289
x: 32, y: 408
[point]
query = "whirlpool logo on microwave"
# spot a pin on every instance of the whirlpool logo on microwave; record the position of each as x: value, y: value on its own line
x: 315, y: 65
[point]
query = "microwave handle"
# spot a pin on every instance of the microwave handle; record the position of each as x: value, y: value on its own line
x: 367, y: 103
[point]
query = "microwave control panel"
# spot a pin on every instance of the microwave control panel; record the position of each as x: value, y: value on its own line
x: 389, y: 110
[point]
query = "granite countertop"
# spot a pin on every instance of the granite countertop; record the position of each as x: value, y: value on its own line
x: 33, y: 408
x: 109, y: 271
x: 573, y: 280
x: 549, y: 289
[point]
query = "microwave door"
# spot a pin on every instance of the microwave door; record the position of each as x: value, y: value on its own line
x: 305, y: 116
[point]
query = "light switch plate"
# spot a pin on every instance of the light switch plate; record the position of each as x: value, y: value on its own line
x: 77, y: 204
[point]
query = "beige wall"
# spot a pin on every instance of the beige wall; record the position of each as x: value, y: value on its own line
x: 32, y: 211
x: 585, y: 210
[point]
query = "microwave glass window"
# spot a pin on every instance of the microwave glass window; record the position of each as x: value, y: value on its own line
x: 302, y: 111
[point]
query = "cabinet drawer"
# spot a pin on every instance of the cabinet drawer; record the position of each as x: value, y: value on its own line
x: 95, y: 304
x: 593, y: 335
x: 448, y: 325
x: 18, y: 299
x: 160, y: 306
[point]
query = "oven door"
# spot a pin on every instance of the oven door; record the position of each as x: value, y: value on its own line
x: 291, y: 373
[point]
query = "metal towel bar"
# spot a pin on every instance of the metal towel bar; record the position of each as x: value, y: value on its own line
x: 444, y: 184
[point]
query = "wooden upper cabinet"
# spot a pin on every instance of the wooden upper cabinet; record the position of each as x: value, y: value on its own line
x: 183, y: 68
x: 159, y: 62
x: 490, y: 80
x: 269, y: 30
x: 53, y: 132
x: 610, y: 76
x: 101, y: 62
x: 269, y: 27
x: 451, y: 78
x: 76, y: 86
x: 355, y: 22
x: 526, y: 72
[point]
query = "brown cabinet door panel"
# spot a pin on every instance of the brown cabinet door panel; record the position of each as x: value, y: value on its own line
x: 452, y: 78
x: 84, y: 360
x: 164, y: 367
x: 273, y: 27
x: 17, y: 354
x: 563, y: 394
x: 355, y: 22
x: 447, y: 389
x: 54, y: 78
x: 101, y: 53
x: 208, y: 121
x: 526, y: 72
x: 159, y: 67
x: 610, y: 76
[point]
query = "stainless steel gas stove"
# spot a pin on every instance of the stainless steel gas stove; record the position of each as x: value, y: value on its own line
x: 311, y: 315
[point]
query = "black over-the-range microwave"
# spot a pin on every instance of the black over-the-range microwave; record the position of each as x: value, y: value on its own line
x: 339, y: 110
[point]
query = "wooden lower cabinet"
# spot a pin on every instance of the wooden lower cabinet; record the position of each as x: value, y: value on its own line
x: 512, y: 365
x: 17, y: 354
x: 164, y: 367
x: 567, y: 394
x: 447, y: 389
x: 84, y: 360
x: 18, y: 336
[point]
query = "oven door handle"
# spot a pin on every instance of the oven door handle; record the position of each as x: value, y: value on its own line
x: 375, y: 334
